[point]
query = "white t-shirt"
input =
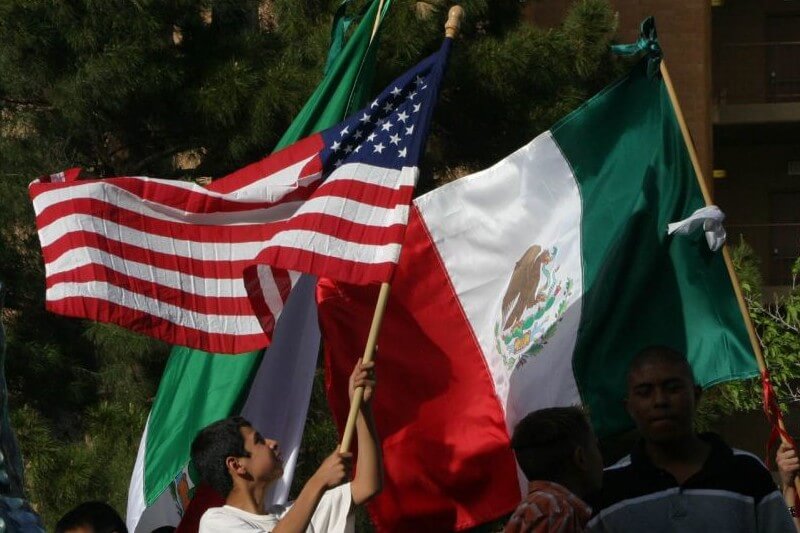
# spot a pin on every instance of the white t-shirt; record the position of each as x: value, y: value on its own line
x: 331, y: 515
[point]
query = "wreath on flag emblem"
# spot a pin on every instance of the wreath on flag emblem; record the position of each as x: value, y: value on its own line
x: 534, y: 303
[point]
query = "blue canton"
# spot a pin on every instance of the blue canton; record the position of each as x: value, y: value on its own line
x: 391, y: 131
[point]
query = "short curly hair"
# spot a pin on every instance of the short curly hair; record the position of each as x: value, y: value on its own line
x: 545, y: 440
x: 213, y: 445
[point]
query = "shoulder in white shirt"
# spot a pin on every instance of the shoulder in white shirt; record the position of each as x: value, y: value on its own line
x: 331, y: 515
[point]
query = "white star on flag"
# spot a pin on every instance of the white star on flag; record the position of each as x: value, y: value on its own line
x: 395, y: 139
x: 402, y: 116
x: 410, y: 130
x: 387, y: 126
x: 396, y: 91
x: 402, y: 153
x: 379, y: 148
x: 336, y: 146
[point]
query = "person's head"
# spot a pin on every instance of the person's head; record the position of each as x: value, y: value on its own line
x: 557, y: 444
x: 662, y: 395
x: 91, y: 517
x: 230, y: 451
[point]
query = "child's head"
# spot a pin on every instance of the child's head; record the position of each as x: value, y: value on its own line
x: 231, y: 449
x: 662, y: 395
x: 91, y: 517
x: 557, y: 444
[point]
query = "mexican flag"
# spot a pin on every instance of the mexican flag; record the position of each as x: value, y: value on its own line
x: 528, y: 285
x: 271, y: 388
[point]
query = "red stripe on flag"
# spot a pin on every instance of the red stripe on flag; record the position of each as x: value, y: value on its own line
x: 195, y: 201
x: 211, y: 305
x: 345, y: 229
x: 255, y: 293
x: 290, y: 155
x: 157, y: 327
x: 342, y: 269
x: 367, y: 193
x: 156, y: 226
x: 447, y: 454
x: 212, y: 269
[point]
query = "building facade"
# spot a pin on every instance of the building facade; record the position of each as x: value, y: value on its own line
x: 736, y: 69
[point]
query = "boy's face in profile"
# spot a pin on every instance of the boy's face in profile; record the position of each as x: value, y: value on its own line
x: 661, y: 400
x: 265, y: 462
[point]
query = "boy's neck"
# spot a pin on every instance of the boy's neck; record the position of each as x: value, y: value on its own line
x: 575, y: 486
x: 681, y: 457
x: 248, y: 497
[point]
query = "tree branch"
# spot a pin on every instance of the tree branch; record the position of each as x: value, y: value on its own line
x: 158, y: 155
x: 39, y: 104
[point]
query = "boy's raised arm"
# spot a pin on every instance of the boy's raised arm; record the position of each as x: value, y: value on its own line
x: 369, y: 470
x: 332, y: 472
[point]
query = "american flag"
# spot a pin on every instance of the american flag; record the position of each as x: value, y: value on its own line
x: 167, y: 258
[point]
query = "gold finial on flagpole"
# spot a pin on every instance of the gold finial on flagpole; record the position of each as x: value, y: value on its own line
x: 453, y: 24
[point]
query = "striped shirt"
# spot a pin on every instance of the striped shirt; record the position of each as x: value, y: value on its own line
x: 732, y: 492
x: 549, y: 508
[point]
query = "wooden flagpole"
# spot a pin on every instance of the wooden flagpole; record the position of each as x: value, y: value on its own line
x: 451, y: 30
x: 378, y: 20
x: 756, y: 344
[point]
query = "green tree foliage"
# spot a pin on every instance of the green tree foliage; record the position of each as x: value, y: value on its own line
x: 189, y: 88
x: 777, y: 322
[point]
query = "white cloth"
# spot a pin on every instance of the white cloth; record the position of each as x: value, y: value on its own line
x: 710, y: 218
x: 331, y: 515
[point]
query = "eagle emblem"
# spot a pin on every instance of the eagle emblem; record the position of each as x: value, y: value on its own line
x: 534, y: 303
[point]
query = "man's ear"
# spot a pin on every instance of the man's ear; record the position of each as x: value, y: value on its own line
x: 579, y: 458
x: 698, y: 393
x: 234, y: 466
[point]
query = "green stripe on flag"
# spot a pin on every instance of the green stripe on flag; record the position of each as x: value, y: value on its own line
x: 642, y: 287
x: 198, y: 387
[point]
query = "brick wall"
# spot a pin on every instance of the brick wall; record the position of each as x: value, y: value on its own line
x: 684, y: 28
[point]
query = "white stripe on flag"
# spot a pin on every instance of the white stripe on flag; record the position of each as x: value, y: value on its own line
x: 269, y: 289
x: 268, y: 189
x: 372, y: 175
x: 237, y: 251
x: 209, y: 323
x: 313, y: 241
x: 353, y: 211
x: 493, y: 217
x: 212, y: 287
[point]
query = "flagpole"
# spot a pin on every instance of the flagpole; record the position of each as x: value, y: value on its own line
x: 375, y: 27
x: 378, y: 20
x: 751, y: 331
x: 369, y: 351
x: 454, y: 18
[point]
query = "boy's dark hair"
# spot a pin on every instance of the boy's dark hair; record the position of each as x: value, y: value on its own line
x: 545, y: 440
x: 213, y: 445
x: 101, y: 517
x: 663, y: 354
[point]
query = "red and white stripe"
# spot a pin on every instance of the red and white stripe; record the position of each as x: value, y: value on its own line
x: 166, y: 258
x: 351, y: 229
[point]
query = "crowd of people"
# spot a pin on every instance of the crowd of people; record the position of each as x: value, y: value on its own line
x: 674, y: 479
